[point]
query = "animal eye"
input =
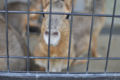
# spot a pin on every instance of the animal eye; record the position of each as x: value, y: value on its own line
x: 67, y: 17
x: 46, y: 32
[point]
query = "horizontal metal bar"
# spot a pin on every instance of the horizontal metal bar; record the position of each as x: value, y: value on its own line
x: 43, y: 72
x: 60, y: 76
x: 106, y: 30
x: 72, y: 58
x: 60, y: 13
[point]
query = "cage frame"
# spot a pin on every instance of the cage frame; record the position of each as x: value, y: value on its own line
x: 4, y: 75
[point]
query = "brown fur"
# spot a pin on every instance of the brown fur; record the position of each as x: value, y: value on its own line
x: 81, y: 30
x: 19, y: 21
x: 15, y: 43
x: 33, y: 22
x: 81, y: 34
x: 60, y: 50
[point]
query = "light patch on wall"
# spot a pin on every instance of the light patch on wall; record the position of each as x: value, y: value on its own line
x: 80, y: 6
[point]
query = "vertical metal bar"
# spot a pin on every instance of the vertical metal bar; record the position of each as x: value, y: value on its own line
x: 70, y: 38
x: 49, y: 36
x: 91, y: 33
x: 110, y: 36
x: 28, y: 53
x: 7, y: 42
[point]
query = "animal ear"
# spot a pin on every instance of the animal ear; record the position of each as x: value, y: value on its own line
x: 45, y: 4
x: 68, y: 4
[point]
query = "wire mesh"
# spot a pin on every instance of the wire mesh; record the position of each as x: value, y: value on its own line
x: 28, y: 57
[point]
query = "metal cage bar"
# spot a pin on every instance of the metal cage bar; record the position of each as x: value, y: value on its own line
x: 50, y: 15
x: 91, y: 33
x: 110, y: 36
x: 31, y: 76
x: 70, y: 40
x: 7, y: 43
x: 60, y: 13
x: 80, y: 75
x: 73, y: 58
x: 28, y: 33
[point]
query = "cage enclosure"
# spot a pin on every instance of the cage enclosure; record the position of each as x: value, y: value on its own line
x: 59, y: 39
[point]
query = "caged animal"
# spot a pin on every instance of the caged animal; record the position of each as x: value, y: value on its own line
x: 82, y: 26
x: 15, y: 46
x: 19, y: 21
x: 60, y: 29
x: 59, y: 41
x: 35, y: 19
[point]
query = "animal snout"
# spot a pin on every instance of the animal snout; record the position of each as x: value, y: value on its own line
x: 55, y: 33
x: 52, y: 33
x: 54, y: 37
x: 47, y: 32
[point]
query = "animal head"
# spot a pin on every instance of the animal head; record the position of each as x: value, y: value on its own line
x: 59, y: 23
x: 59, y: 35
x: 35, y: 20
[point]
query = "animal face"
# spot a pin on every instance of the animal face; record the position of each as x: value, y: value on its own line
x: 58, y: 24
x: 58, y: 27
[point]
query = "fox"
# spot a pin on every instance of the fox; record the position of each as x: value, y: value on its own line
x: 60, y: 31
x: 15, y: 48
x: 81, y: 29
x: 20, y: 21
x: 59, y: 42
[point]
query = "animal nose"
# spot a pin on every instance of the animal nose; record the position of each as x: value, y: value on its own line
x: 55, y: 33
x: 46, y: 32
